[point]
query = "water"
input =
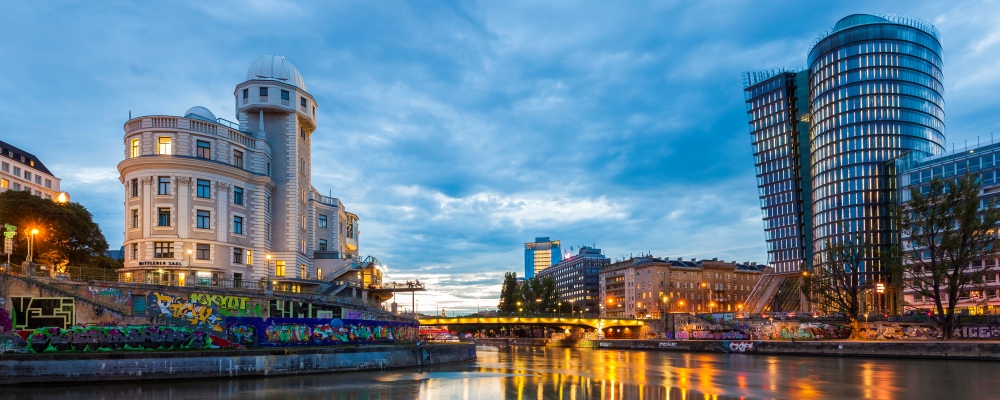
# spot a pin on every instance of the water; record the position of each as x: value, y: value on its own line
x: 570, y: 374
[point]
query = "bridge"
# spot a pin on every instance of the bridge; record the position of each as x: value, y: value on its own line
x: 593, y: 323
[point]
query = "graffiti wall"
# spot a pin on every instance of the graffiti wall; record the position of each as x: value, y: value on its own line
x: 302, y: 309
x: 109, y: 294
x: 38, y: 312
x: 283, y: 332
x: 6, y: 324
x: 99, y: 338
x: 184, y: 312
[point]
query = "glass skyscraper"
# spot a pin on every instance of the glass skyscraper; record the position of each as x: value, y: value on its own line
x: 876, y: 93
x: 872, y: 92
x: 541, y: 254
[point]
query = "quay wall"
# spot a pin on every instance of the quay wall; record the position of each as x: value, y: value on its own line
x: 120, y: 366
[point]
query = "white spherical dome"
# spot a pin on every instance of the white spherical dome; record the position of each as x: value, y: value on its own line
x: 276, y: 68
x: 200, y: 113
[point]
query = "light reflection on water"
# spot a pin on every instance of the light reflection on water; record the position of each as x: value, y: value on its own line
x: 571, y: 374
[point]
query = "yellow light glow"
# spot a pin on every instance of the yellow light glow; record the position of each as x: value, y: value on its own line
x: 34, y: 231
x: 62, y: 197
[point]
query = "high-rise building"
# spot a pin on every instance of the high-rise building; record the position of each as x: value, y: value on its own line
x: 539, y: 255
x: 23, y: 171
x: 213, y: 202
x: 577, y: 281
x: 875, y: 93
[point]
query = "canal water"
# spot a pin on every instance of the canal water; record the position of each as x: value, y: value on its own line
x: 569, y: 374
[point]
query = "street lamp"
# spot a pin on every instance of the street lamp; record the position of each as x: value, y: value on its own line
x: 560, y: 308
x: 267, y: 285
x: 190, y: 271
x: 538, y: 306
x: 572, y: 310
x: 31, y: 243
x: 519, y: 310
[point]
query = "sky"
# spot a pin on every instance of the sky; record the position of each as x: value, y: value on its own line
x: 458, y: 131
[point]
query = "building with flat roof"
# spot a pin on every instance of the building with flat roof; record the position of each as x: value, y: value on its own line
x: 540, y: 254
x: 21, y: 170
x: 577, y: 280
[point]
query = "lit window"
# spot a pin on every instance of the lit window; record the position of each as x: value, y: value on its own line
x: 319, y: 273
x: 204, y: 219
x: 249, y: 257
x: 163, y: 250
x: 204, y: 189
x: 203, y: 252
x: 204, y: 149
x: 279, y: 268
x: 163, y: 187
x: 135, y: 148
x: 238, y: 225
x: 4, y: 184
x: 237, y: 195
x: 164, y: 146
x: 238, y: 158
x: 164, y: 216
x: 302, y: 270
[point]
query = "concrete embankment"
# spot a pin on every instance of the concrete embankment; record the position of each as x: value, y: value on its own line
x: 120, y: 366
x: 955, y: 350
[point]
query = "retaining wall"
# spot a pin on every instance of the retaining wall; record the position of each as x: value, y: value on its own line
x: 95, y: 367
x: 898, y: 349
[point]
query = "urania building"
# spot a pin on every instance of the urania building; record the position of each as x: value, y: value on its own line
x: 214, y: 202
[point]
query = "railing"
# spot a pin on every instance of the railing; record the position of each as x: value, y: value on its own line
x: 204, y: 127
x: 163, y: 122
x: 240, y: 138
x: 133, y: 125
x: 232, y: 131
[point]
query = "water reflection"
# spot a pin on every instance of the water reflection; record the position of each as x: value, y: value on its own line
x: 571, y: 374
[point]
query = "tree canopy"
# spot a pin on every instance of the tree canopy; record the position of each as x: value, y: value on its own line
x: 67, y: 233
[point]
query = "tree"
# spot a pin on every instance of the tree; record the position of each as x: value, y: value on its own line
x: 539, y: 295
x: 510, y: 294
x: 943, y: 232
x: 67, y: 232
x: 836, y: 281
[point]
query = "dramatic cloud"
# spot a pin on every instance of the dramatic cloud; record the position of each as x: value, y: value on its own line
x: 459, y: 131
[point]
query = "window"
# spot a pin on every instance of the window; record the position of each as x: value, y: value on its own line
x: 204, y: 189
x: 135, y: 219
x: 279, y: 268
x: 17, y: 171
x: 302, y: 133
x: 284, y: 95
x: 164, y: 217
x: 302, y: 221
x: 6, y: 167
x: 135, y: 187
x: 302, y: 101
x: 263, y: 92
x: 4, y: 184
x: 203, y: 252
x: 135, y: 148
x: 204, y: 149
x: 267, y: 231
x: 204, y: 219
x: 238, y: 158
x: 302, y: 270
x: 164, y: 146
x: 164, y: 186
x: 322, y: 245
x: 267, y: 203
x: 163, y: 250
x: 27, y: 176
x: 246, y: 93
x: 17, y: 186
x: 322, y: 221
x: 250, y: 257
x: 135, y: 251
x: 237, y: 255
x: 302, y: 245
x: 238, y: 225
x: 237, y: 195
x: 319, y: 273
x: 38, y: 179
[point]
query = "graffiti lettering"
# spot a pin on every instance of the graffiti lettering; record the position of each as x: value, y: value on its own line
x: 114, y: 293
x: 668, y: 344
x: 96, y: 338
x: 38, y: 312
x: 740, y: 347
x: 227, y: 302
x: 178, y: 311
x: 280, y: 332
x: 301, y: 309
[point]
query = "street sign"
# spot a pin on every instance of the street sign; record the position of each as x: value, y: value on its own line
x: 9, y: 228
x: 7, y: 244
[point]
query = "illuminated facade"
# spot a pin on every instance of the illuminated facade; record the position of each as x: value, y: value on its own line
x: 209, y: 201
x: 21, y: 170
x: 540, y: 254
x: 577, y: 279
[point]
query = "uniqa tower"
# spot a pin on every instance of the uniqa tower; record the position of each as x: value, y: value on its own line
x: 212, y: 202
x: 874, y: 90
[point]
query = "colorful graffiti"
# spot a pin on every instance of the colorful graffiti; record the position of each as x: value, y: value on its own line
x: 38, y: 312
x: 6, y: 324
x: 139, y: 305
x: 739, y: 347
x: 113, y: 294
x: 224, y: 302
x: 96, y: 338
x: 185, y: 312
x: 302, y: 309
x: 279, y: 332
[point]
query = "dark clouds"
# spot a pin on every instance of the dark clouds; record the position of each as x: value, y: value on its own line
x: 459, y: 131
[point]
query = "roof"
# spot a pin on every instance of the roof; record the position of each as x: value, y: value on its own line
x: 14, y: 153
x: 276, y: 68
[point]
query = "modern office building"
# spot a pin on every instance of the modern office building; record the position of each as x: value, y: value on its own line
x: 21, y: 170
x: 540, y: 254
x: 874, y: 93
x: 577, y: 280
x: 649, y: 287
x: 209, y: 200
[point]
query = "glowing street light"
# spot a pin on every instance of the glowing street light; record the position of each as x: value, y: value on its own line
x: 31, y: 243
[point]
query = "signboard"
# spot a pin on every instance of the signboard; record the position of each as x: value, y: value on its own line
x: 880, y: 288
x: 8, y: 238
x: 8, y: 243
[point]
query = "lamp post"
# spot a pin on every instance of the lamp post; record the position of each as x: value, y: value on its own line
x: 572, y: 311
x: 560, y: 308
x: 538, y: 306
x: 519, y: 308
x: 267, y: 284
x: 704, y: 300
x: 31, y: 243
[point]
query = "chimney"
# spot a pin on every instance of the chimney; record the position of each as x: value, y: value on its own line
x: 715, y: 259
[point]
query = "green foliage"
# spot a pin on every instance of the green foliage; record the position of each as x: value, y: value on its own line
x: 510, y: 294
x: 539, y: 295
x: 67, y: 232
x: 946, y: 230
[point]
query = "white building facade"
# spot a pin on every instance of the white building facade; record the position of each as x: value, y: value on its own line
x: 23, y: 171
x: 226, y: 203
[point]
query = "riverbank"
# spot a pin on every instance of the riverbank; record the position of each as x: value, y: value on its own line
x: 158, y: 365
x: 953, y: 350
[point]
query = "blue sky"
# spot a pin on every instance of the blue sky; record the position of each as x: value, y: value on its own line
x: 459, y: 131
